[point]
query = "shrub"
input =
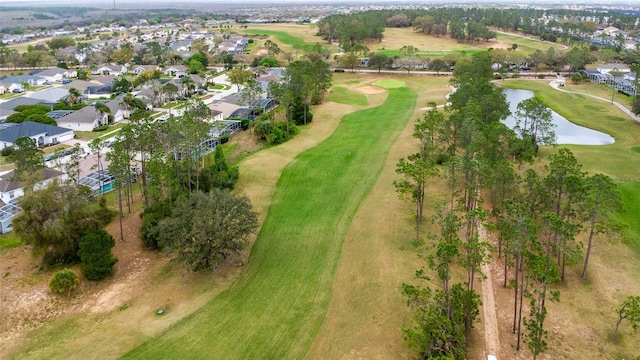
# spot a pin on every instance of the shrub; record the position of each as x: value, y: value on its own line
x: 151, y: 216
x: 63, y: 282
x: 578, y: 77
x: 224, y: 139
x: 7, y: 151
x: 244, y: 124
x: 540, y: 76
x: 100, y: 128
x: 95, y: 254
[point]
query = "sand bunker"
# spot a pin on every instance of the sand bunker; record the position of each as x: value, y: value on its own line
x: 370, y: 90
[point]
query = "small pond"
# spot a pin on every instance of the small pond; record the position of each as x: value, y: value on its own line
x: 566, y: 131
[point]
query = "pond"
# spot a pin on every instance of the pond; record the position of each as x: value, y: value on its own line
x: 566, y: 131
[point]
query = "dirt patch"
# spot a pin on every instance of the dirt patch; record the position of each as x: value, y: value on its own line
x: 370, y: 90
x: 26, y: 302
x: 261, y: 52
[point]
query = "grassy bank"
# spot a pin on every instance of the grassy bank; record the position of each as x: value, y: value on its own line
x: 278, y: 305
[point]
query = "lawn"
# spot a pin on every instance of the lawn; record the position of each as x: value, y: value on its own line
x: 525, y: 44
x: 617, y: 160
x: 630, y: 192
x: 278, y: 304
x: 342, y: 95
x: 9, y: 241
x: 283, y: 37
x: 600, y: 90
x: 389, y: 83
x: 90, y: 135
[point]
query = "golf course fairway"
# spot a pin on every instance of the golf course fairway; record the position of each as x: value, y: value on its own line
x: 278, y: 304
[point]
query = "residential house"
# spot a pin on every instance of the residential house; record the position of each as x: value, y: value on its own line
x: 631, y: 45
x: 78, y: 84
x: 7, y: 87
x: 42, y: 134
x: 607, y: 68
x: 175, y: 71
x: 55, y: 74
x: 21, y: 79
x: 117, y: 111
x: 611, y: 31
x: 85, y: 119
x: 139, y: 69
x: 115, y: 70
x: 225, y: 108
x: 98, y: 91
x: 6, y: 108
x: 50, y: 95
x: 11, y: 189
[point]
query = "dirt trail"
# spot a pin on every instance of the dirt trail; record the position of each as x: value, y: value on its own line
x: 491, y: 334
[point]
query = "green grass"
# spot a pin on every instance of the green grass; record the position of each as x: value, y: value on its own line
x: 90, y: 135
x: 389, y: 84
x: 630, y: 192
x: 277, y: 306
x: 527, y: 45
x: 282, y: 37
x: 618, y: 160
x: 343, y: 95
x: 9, y: 240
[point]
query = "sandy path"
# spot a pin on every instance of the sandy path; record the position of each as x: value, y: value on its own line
x: 491, y: 334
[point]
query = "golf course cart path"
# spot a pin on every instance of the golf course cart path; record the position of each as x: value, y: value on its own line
x: 556, y: 85
x: 491, y: 334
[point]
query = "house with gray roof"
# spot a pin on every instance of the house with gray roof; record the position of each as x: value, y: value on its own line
x: 55, y: 74
x: 6, y: 108
x: 115, y: 70
x: 139, y: 69
x: 42, y: 134
x: 175, y: 70
x: 50, y: 95
x: 11, y: 189
x: 117, y: 111
x: 85, y: 119
x: 19, y: 79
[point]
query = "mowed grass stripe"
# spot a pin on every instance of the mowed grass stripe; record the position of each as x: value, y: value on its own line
x: 276, y: 308
x: 282, y: 37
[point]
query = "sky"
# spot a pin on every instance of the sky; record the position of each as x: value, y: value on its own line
x: 104, y: 3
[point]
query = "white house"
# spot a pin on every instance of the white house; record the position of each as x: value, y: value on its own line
x: 56, y: 74
x: 117, y: 111
x: 20, y: 79
x: 139, y: 69
x: 85, y: 119
x: 42, y: 134
x: 10, y: 189
x: 115, y: 70
x: 175, y: 70
x: 607, y: 68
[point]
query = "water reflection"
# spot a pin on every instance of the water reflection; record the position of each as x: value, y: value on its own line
x: 566, y: 131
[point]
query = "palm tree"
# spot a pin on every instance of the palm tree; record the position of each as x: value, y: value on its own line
x: 102, y: 109
x: 188, y: 84
x: 74, y: 96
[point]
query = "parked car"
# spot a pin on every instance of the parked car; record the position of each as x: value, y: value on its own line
x: 17, y: 91
x: 66, y: 81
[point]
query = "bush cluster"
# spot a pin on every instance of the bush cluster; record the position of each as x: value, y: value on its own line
x: 63, y: 282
